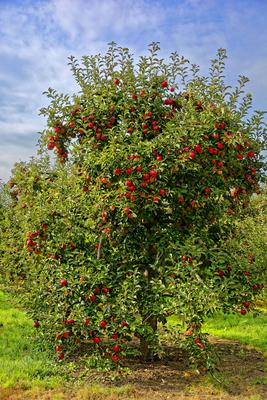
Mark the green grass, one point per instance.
(250, 329)
(21, 365)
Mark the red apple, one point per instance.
(115, 336)
(61, 356)
(251, 154)
(192, 155)
(103, 324)
(118, 171)
(92, 298)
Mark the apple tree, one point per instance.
(155, 163)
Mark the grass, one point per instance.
(21, 364)
(25, 372)
(250, 329)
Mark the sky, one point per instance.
(38, 36)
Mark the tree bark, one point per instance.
(146, 353)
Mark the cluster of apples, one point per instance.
(57, 143)
(97, 333)
(31, 244)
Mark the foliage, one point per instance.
(155, 163)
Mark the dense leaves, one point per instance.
(155, 164)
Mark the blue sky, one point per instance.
(36, 37)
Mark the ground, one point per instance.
(240, 376)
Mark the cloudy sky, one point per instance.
(37, 36)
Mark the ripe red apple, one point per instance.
(106, 290)
(58, 348)
(51, 145)
(192, 155)
(198, 148)
(246, 304)
(199, 343)
(243, 311)
(92, 298)
(36, 324)
(255, 287)
(115, 336)
(164, 84)
(58, 336)
(61, 356)
(115, 358)
(207, 190)
(251, 154)
(162, 192)
(116, 348)
(96, 340)
(118, 171)
(70, 322)
(103, 324)
(116, 81)
(181, 199)
(63, 282)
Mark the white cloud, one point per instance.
(38, 36)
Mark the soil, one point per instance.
(240, 375)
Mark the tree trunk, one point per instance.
(146, 353)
